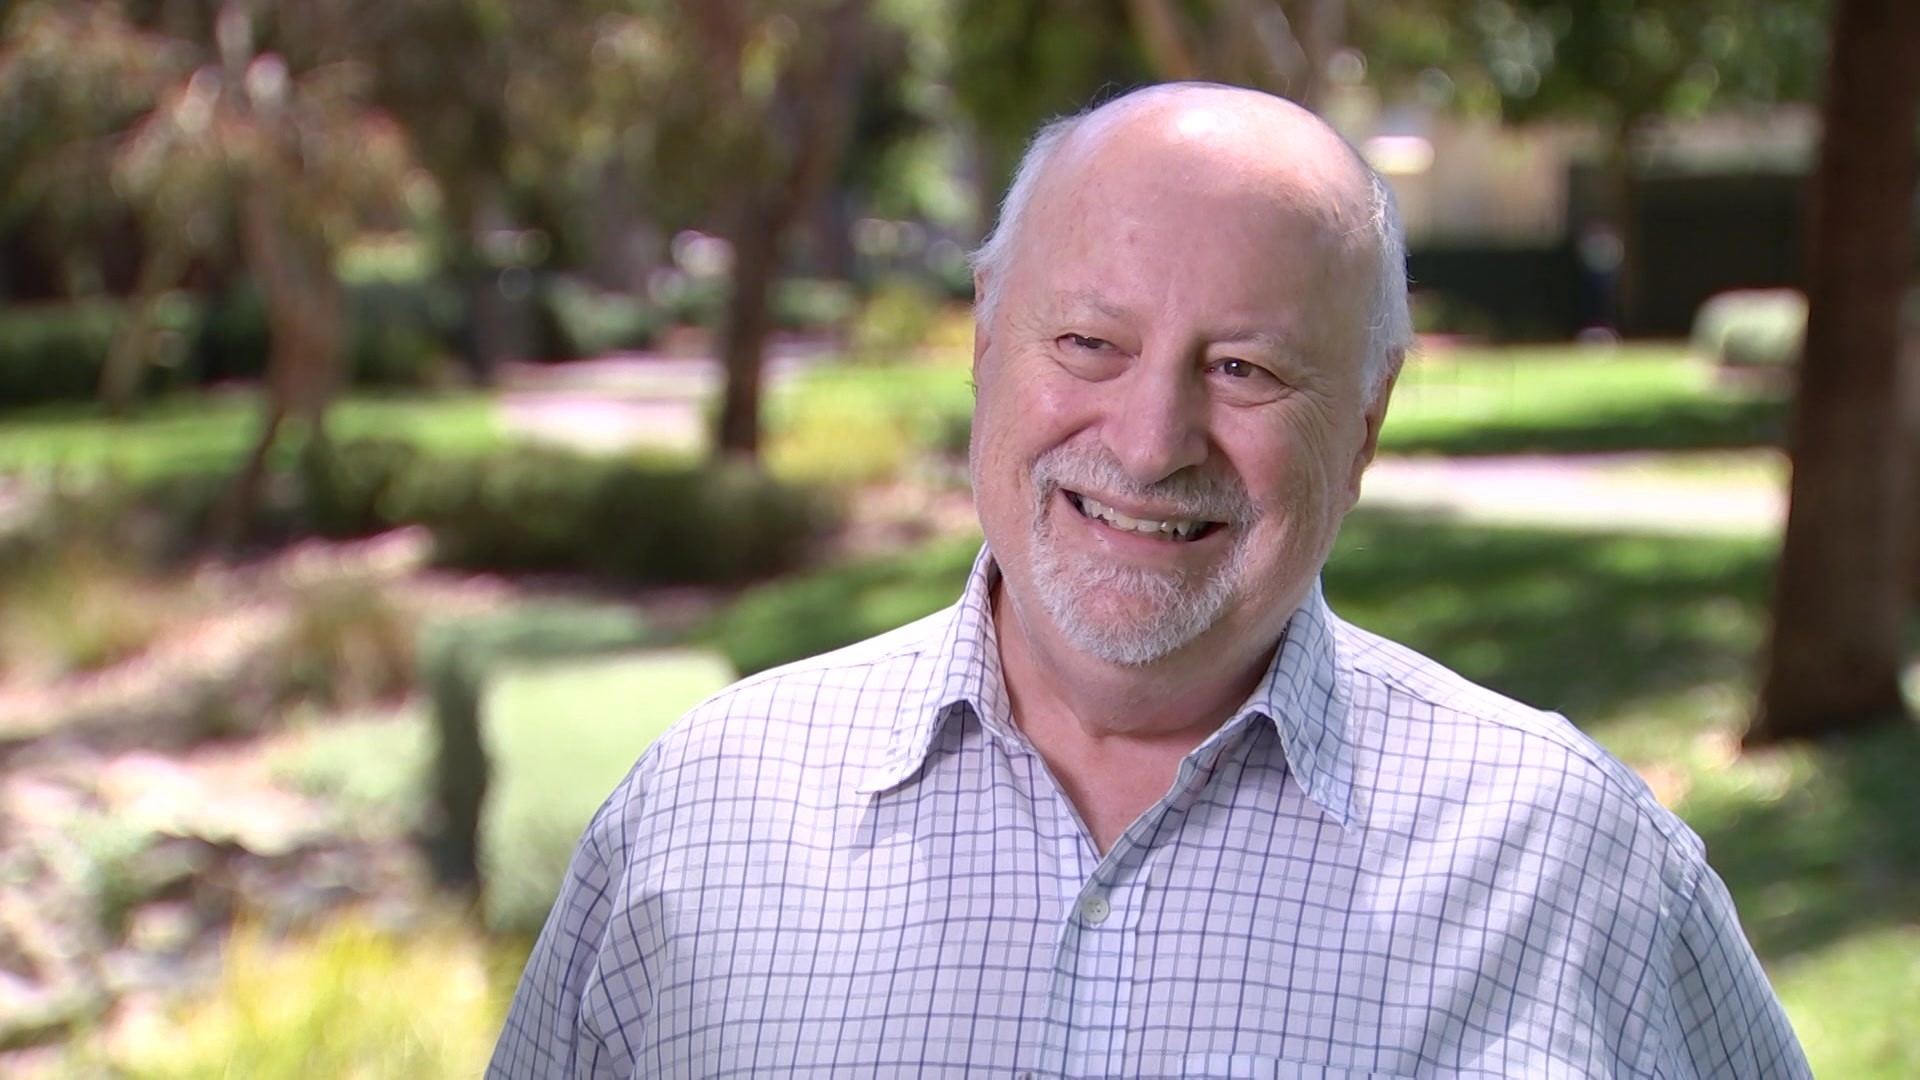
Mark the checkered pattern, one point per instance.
(856, 866)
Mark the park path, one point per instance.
(642, 400)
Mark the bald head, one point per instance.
(1201, 133)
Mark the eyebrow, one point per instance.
(1279, 343)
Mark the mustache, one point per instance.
(1094, 471)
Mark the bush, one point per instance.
(812, 303)
(539, 509)
(625, 520)
(56, 352)
(895, 321)
(591, 322)
(347, 645)
(1751, 328)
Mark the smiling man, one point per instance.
(1139, 804)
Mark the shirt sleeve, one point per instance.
(1727, 1021)
(544, 1036)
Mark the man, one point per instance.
(1139, 804)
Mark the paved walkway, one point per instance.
(641, 400)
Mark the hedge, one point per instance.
(533, 509)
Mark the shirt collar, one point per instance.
(1306, 694)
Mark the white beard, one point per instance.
(1122, 614)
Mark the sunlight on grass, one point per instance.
(562, 737)
(1571, 400)
(1854, 1005)
(212, 432)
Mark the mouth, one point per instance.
(1177, 530)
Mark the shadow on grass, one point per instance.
(1823, 849)
(1674, 425)
(1581, 623)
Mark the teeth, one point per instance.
(1179, 530)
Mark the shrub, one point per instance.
(74, 593)
(542, 509)
(399, 331)
(591, 322)
(351, 487)
(350, 997)
(56, 352)
(1751, 328)
(894, 322)
(812, 303)
(346, 645)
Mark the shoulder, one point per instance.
(1433, 734)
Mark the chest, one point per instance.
(974, 928)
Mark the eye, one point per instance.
(1237, 368)
(1082, 341)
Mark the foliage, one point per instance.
(56, 352)
(1751, 328)
(592, 322)
(351, 997)
(855, 423)
(802, 616)
(1613, 61)
(347, 645)
(549, 510)
(76, 590)
(1021, 63)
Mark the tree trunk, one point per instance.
(1838, 641)
(756, 252)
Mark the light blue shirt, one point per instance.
(857, 866)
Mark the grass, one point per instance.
(561, 735)
(211, 433)
(1567, 401)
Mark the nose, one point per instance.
(1159, 422)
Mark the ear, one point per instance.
(1375, 415)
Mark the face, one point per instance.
(1172, 414)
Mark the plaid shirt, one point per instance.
(856, 866)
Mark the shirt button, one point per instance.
(1095, 909)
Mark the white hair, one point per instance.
(1389, 326)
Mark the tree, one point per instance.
(737, 112)
(230, 146)
(1618, 65)
(1834, 658)
(1281, 46)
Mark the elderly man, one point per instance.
(1139, 804)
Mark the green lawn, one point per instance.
(561, 735)
(1568, 400)
(211, 433)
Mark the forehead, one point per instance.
(1192, 215)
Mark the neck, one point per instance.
(1176, 701)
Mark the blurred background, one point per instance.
(408, 408)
